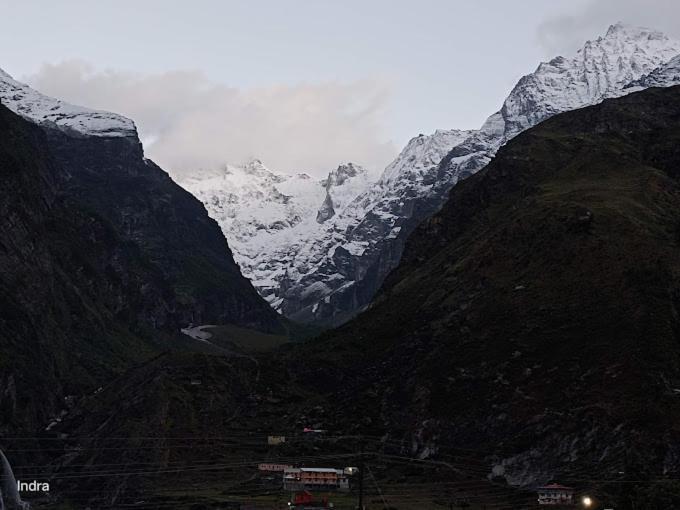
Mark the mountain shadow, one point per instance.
(103, 258)
(535, 318)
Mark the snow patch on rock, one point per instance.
(320, 253)
(268, 216)
(42, 109)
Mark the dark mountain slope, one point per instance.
(535, 318)
(166, 224)
(57, 333)
(102, 259)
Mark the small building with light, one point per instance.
(555, 494)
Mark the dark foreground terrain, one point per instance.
(530, 333)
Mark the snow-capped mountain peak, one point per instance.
(326, 264)
(421, 153)
(342, 186)
(72, 119)
(268, 216)
(599, 70)
(626, 31)
(256, 168)
(361, 245)
(341, 174)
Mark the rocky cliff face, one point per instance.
(269, 217)
(326, 275)
(50, 112)
(169, 227)
(59, 296)
(100, 165)
(533, 320)
(665, 75)
(600, 69)
(342, 186)
(529, 333)
(347, 264)
(103, 258)
(339, 270)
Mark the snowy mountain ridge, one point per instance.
(268, 216)
(42, 109)
(319, 250)
(663, 76)
(342, 185)
(361, 246)
(326, 273)
(601, 69)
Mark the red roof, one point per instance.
(303, 497)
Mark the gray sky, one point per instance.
(301, 84)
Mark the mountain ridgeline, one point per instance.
(102, 260)
(535, 318)
(531, 326)
(167, 227)
(327, 272)
(512, 291)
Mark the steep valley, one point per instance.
(505, 304)
(529, 334)
(325, 273)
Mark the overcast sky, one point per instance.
(301, 84)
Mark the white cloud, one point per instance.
(188, 122)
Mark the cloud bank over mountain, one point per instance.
(186, 121)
